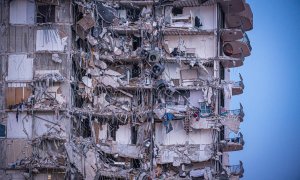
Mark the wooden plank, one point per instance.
(27, 93)
(12, 39)
(19, 95)
(16, 95)
(19, 31)
(10, 96)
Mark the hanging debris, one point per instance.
(121, 89)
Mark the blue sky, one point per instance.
(271, 98)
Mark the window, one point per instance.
(50, 40)
(222, 99)
(134, 133)
(45, 13)
(136, 42)
(204, 108)
(222, 133)
(112, 131)
(222, 72)
(177, 10)
(2, 131)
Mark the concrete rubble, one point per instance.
(121, 89)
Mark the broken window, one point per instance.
(134, 135)
(222, 99)
(222, 133)
(135, 163)
(222, 72)
(205, 109)
(136, 42)
(2, 131)
(50, 40)
(112, 131)
(21, 12)
(45, 13)
(136, 71)
(86, 129)
(81, 126)
(177, 10)
(133, 14)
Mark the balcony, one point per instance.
(238, 113)
(243, 19)
(238, 87)
(229, 62)
(235, 170)
(203, 118)
(232, 6)
(233, 144)
(238, 48)
(231, 34)
(232, 119)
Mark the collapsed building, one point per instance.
(121, 89)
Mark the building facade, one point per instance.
(122, 89)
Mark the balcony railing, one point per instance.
(236, 113)
(237, 140)
(247, 41)
(243, 19)
(205, 110)
(237, 48)
(236, 170)
(232, 6)
(238, 84)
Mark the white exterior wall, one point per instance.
(178, 135)
(206, 15)
(20, 67)
(227, 78)
(46, 123)
(172, 71)
(195, 98)
(49, 40)
(205, 44)
(103, 132)
(43, 123)
(15, 129)
(123, 135)
(22, 12)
